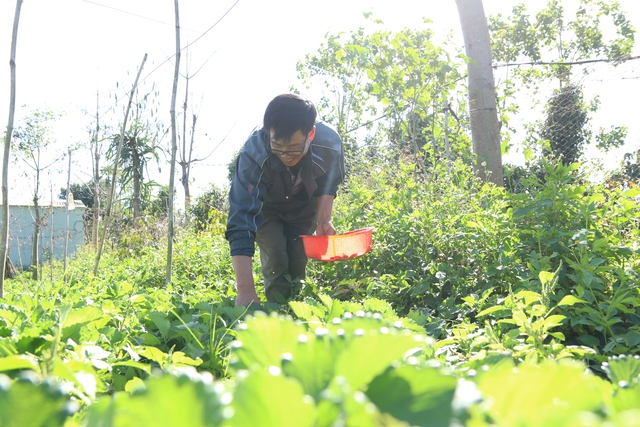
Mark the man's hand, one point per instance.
(246, 298)
(325, 228)
(246, 289)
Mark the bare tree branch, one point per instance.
(585, 61)
(115, 168)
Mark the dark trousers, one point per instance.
(281, 250)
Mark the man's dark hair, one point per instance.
(288, 113)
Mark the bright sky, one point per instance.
(246, 51)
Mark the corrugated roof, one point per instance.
(77, 204)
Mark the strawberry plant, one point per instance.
(467, 289)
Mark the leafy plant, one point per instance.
(28, 402)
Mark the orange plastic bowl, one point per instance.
(340, 246)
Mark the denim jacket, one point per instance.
(261, 178)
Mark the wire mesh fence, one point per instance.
(592, 120)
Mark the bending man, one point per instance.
(286, 178)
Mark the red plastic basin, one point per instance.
(340, 246)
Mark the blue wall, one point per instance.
(21, 228)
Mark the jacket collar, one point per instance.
(306, 170)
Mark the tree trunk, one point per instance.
(66, 221)
(9, 268)
(96, 179)
(186, 171)
(174, 147)
(137, 172)
(485, 132)
(185, 163)
(4, 244)
(187, 192)
(51, 232)
(35, 261)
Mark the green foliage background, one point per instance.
(465, 282)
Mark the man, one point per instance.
(286, 178)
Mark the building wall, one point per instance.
(21, 229)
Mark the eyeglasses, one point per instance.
(290, 153)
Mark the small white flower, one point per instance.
(579, 234)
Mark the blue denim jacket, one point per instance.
(261, 178)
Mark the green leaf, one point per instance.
(625, 399)
(17, 361)
(596, 262)
(623, 370)
(589, 341)
(334, 308)
(414, 395)
(79, 318)
(261, 341)
(304, 311)
(633, 338)
(545, 277)
(491, 310)
(270, 400)
(624, 250)
(152, 353)
(599, 243)
(569, 300)
(26, 402)
(134, 384)
(150, 339)
(529, 296)
(372, 353)
(12, 317)
(632, 193)
(181, 399)
(549, 394)
(553, 321)
(340, 402)
(523, 212)
(162, 323)
(138, 365)
(178, 358)
(312, 363)
(376, 305)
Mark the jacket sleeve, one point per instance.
(245, 202)
(332, 154)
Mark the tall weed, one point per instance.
(590, 233)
